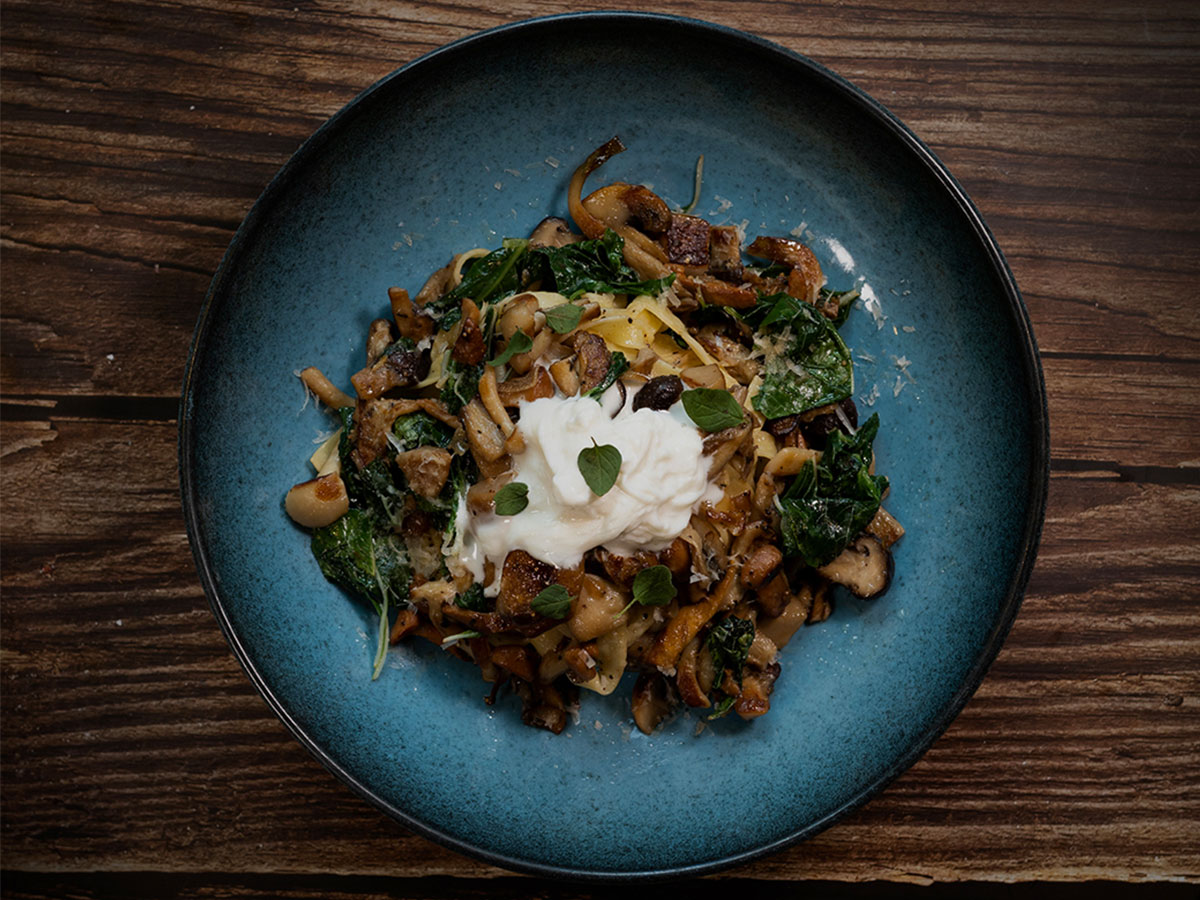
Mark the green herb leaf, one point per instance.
(812, 369)
(653, 586)
(520, 342)
(419, 429)
(722, 708)
(512, 498)
(462, 385)
(371, 488)
(618, 365)
(564, 317)
(472, 598)
(489, 278)
(729, 645)
(827, 505)
(592, 265)
(712, 409)
(599, 465)
(554, 602)
(359, 552)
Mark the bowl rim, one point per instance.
(1037, 486)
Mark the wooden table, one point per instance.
(137, 759)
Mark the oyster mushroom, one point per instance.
(553, 232)
(864, 567)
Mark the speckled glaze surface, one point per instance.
(476, 142)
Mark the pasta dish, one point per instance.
(626, 442)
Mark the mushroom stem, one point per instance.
(589, 224)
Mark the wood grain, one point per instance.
(138, 133)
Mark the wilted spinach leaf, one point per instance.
(595, 265)
(365, 558)
(618, 365)
(729, 645)
(373, 487)
(827, 505)
(461, 386)
(486, 279)
(419, 429)
(360, 553)
(444, 507)
(472, 598)
(812, 369)
(722, 708)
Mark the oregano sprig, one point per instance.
(599, 465)
(554, 602)
(564, 317)
(652, 586)
(512, 498)
(520, 342)
(712, 409)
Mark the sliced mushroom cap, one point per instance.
(410, 321)
(553, 232)
(648, 208)
(425, 469)
(763, 562)
(650, 701)
(806, 278)
(522, 579)
(864, 567)
(755, 697)
(597, 610)
(687, 677)
(660, 393)
(725, 253)
(379, 338)
(592, 360)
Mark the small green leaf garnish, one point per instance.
(554, 602)
(520, 342)
(472, 598)
(563, 318)
(712, 409)
(599, 465)
(512, 498)
(653, 586)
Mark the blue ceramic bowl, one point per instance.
(475, 142)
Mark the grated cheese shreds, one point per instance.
(325, 458)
